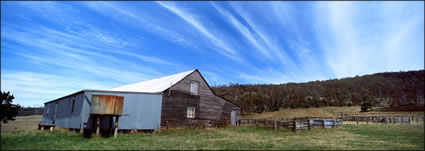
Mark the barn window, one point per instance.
(73, 104)
(190, 112)
(194, 88)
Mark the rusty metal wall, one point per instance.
(106, 104)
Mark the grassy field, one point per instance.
(22, 123)
(322, 112)
(22, 135)
(349, 136)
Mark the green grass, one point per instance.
(349, 136)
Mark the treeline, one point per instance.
(25, 111)
(380, 89)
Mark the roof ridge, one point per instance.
(168, 75)
(148, 85)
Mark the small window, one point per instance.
(194, 88)
(190, 112)
(73, 104)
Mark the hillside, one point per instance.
(381, 89)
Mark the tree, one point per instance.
(7, 110)
(365, 107)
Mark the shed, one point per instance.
(178, 100)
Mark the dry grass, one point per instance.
(349, 136)
(322, 112)
(22, 123)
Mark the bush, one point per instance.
(365, 107)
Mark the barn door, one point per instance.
(233, 118)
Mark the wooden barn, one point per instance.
(179, 100)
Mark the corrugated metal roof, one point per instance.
(154, 85)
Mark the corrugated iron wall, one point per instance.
(141, 110)
(65, 117)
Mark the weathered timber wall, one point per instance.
(209, 108)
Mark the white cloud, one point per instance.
(362, 38)
(270, 42)
(244, 31)
(192, 20)
(33, 88)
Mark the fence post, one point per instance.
(367, 121)
(308, 123)
(409, 120)
(275, 124)
(323, 123)
(357, 119)
(294, 127)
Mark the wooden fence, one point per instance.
(295, 123)
(382, 119)
(301, 123)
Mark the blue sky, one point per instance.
(51, 49)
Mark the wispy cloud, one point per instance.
(271, 43)
(32, 88)
(223, 47)
(356, 45)
(63, 47)
(244, 30)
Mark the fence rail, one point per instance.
(300, 123)
(295, 123)
(388, 118)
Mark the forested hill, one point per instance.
(380, 89)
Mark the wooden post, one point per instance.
(409, 120)
(357, 119)
(294, 126)
(275, 124)
(390, 119)
(323, 124)
(116, 127)
(97, 126)
(417, 121)
(81, 128)
(308, 123)
(333, 124)
(111, 118)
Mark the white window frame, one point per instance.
(190, 112)
(192, 91)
